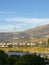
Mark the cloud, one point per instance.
(10, 28)
(29, 20)
(22, 23)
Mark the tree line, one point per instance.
(28, 59)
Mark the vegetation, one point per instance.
(29, 49)
(28, 59)
(48, 42)
(3, 57)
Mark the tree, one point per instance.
(3, 57)
(10, 46)
(30, 59)
(12, 60)
(48, 41)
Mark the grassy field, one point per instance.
(34, 49)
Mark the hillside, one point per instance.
(39, 32)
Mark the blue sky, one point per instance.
(24, 14)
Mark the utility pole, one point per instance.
(14, 34)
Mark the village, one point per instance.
(22, 44)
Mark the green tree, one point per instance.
(30, 59)
(3, 57)
(12, 60)
(48, 41)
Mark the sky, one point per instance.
(23, 14)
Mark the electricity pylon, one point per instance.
(14, 33)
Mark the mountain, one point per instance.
(34, 33)
(39, 32)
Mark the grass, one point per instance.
(34, 49)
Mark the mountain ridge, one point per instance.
(37, 32)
